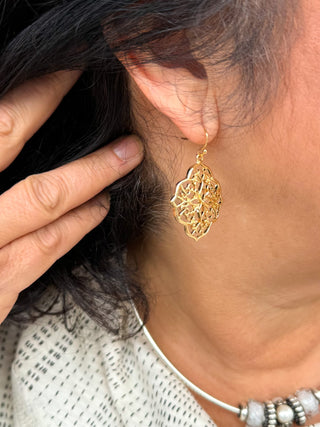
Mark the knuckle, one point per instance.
(48, 239)
(6, 121)
(47, 193)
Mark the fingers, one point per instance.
(24, 110)
(43, 247)
(41, 199)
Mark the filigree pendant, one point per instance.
(197, 200)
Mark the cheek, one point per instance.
(291, 134)
(277, 165)
(302, 105)
(295, 124)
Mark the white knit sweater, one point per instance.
(50, 377)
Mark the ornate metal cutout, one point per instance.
(197, 200)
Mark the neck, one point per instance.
(243, 303)
(245, 311)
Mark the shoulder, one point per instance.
(87, 376)
(54, 370)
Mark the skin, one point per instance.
(243, 303)
(246, 309)
(57, 215)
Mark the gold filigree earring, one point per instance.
(197, 200)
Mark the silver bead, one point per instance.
(243, 412)
(256, 415)
(316, 394)
(285, 414)
(302, 420)
(271, 414)
(309, 402)
(299, 413)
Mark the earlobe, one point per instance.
(188, 101)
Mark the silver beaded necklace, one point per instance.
(274, 413)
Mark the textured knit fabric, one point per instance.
(51, 377)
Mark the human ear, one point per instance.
(187, 100)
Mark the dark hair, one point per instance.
(40, 37)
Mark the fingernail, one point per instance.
(128, 148)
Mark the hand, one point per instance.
(45, 215)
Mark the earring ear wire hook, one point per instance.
(203, 150)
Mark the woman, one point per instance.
(234, 308)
